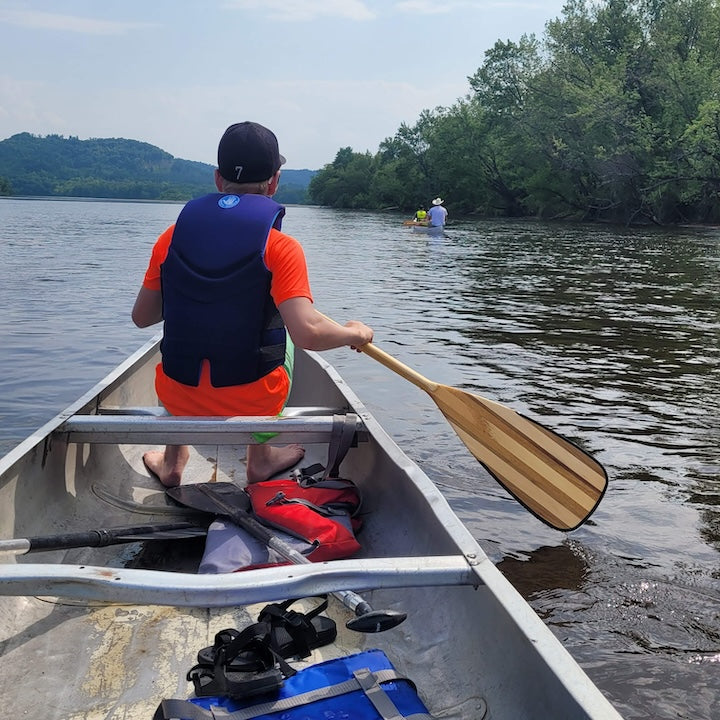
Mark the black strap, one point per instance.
(285, 604)
(182, 710)
(326, 510)
(221, 679)
(343, 432)
(298, 625)
(255, 638)
(341, 439)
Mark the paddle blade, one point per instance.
(221, 498)
(554, 479)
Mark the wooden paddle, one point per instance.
(554, 479)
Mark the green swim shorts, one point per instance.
(289, 366)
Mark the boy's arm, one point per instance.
(311, 330)
(148, 308)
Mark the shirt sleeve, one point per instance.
(151, 281)
(285, 259)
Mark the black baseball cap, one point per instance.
(248, 152)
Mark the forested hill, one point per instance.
(113, 168)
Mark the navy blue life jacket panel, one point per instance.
(216, 292)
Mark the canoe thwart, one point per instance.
(149, 429)
(153, 587)
(159, 411)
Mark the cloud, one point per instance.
(187, 123)
(425, 7)
(304, 10)
(66, 23)
(21, 107)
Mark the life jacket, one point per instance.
(316, 505)
(321, 512)
(315, 511)
(216, 292)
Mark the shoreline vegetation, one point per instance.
(611, 116)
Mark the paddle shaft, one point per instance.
(395, 365)
(230, 501)
(100, 537)
(400, 368)
(411, 375)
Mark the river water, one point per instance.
(610, 336)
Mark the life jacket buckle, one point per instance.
(278, 499)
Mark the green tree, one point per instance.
(613, 115)
(113, 168)
(344, 183)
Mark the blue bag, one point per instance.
(364, 686)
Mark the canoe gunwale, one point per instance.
(91, 399)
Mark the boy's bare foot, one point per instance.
(167, 466)
(264, 461)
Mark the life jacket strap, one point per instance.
(327, 510)
(342, 437)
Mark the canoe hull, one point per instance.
(111, 631)
(422, 227)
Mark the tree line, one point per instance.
(612, 115)
(98, 167)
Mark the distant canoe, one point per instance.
(424, 226)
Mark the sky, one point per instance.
(322, 74)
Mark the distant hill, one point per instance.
(113, 168)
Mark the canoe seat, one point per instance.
(152, 426)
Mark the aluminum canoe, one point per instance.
(105, 633)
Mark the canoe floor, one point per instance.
(72, 660)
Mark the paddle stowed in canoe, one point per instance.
(229, 500)
(102, 537)
(553, 478)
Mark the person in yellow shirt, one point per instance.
(421, 215)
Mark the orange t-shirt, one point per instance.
(285, 259)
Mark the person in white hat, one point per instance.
(437, 214)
